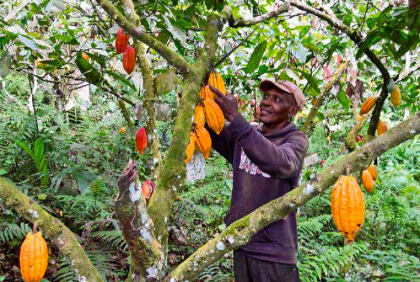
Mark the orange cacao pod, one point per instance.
(214, 115)
(396, 96)
(141, 140)
(33, 257)
(121, 42)
(373, 172)
(367, 105)
(367, 181)
(191, 147)
(203, 143)
(199, 116)
(381, 128)
(206, 93)
(216, 80)
(129, 59)
(347, 206)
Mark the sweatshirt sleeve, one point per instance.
(280, 161)
(224, 143)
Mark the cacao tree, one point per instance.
(172, 47)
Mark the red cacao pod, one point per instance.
(141, 140)
(129, 59)
(147, 189)
(121, 42)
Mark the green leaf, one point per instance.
(28, 42)
(39, 148)
(122, 79)
(256, 57)
(344, 101)
(3, 171)
(312, 80)
(28, 150)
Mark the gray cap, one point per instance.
(285, 86)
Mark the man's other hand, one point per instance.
(227, 103)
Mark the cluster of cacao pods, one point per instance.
(369, 176)
(129, 53)
(141, 140)
(206, 111)
(348, 202)
(33, 257)
(369, 104)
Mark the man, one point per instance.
(267, 162)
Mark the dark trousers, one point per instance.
(248, 269)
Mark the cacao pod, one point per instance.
(216, 80)
(33, 257)
(122, 130)
(396, 96)
(199, 116)
(313, 101)
(381, 128)
(347, 206)
(129, 59)
(214, 115)
(367, 105)
(141, 140)
(206, 93)
(147, 189)
(203, 143)
(373, 172)
(191, 147)
(121, 42)
(367, 181)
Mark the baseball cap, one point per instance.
(285, 86)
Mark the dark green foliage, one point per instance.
(11, 233)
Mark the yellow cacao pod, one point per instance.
(216, 80)
(367, 181)
(33, 257)
(368, 105)
(203, 142)
(381, 128)
(214, 115)
(199, 116)
(396, 96)
(347, 206)
(372, 170)
(205, 93)
(191, 147)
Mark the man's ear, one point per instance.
(293, 111)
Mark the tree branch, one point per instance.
(54, 229)
(172, 57)
(241, 231)
(321, 97)
(160, 206)
(137, 227)
(278, 9)
(403, 75)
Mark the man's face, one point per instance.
(276, 106)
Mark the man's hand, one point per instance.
(227, 103)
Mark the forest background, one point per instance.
(67, 133)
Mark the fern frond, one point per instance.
(11, 231)
(113, 237)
